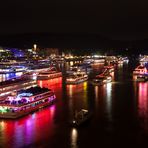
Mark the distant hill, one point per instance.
(57, 40)
(70, 40)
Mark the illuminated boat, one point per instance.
(120, 61)
(73, 69)
(88, 60)
(6, 69)
(97, 61)
(79, 68)
(109, 68)
(37, 68)
(140, 70)
(58, 59)
(12, 69)
(49, 74)
(26, 101)
(76, 78)
(19, 68)
(85, 67)
(5, 90)
(13, 81)
(81, 117)
(144, 58)
(101, 79)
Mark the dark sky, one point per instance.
(119, 19)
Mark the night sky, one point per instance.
(118, 19)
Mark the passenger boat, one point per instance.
(85, 67)
(26, 101)
(98, 61)
(58, 59)
(11, 69)
(49, 74)
(141, 69)
(76, 78)
(6, 69)
(120, 60)
(73, 69)
(88, 60)
(19, 68)
(81, 117)
(80, 68)
(13, 81)
(144, 58)
(9, 62)
(6, 90)
(109, 68)
(37, 68)
(101, 79)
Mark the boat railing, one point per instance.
(22, 103)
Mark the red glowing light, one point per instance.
(28, 129)
(143, 103)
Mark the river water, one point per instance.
(120, 116)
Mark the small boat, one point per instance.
(49, 74)
(83, 67)
(141, 69)
(81, 117)
(37, 68)
(97, 60)
(101, 79)
(109, 68)
(77, 78)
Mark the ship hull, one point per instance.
(14, 115)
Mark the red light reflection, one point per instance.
(73, 89)
(29, 129)
(51, 83)
(54, 84)
(143, 103)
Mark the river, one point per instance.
(120, 116)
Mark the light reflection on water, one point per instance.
(74, 137)
(77, 95)
(143, 103)
(27, 130)
(109, 100)
(49, 126)
(71, 90)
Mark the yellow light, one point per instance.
(74, 137)
(85, 86)
(35, 46)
